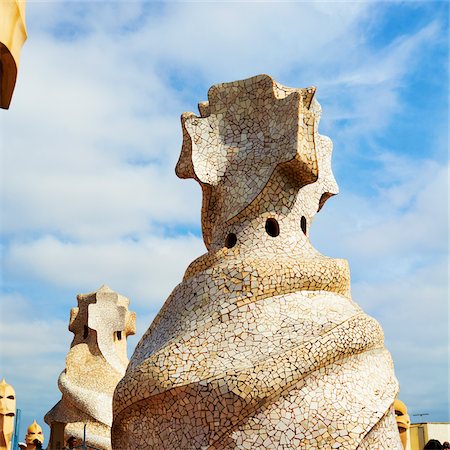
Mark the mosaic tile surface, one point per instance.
(94, 365)
(261, 345)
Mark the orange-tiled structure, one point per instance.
(261, 345)
(7, 414)
(95, 363)
(12, 37)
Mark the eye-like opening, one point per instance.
(303, 225)
(272, 227)
(11, 397)
(119, 335)
(230, 240)
(323, 198)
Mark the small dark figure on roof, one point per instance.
(433, 444)
(38, 444)
(71, 442)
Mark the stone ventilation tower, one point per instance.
(95, 363)
(34, 434)
(13, 34)
(7, 414)
(403, 421)
(261, 345)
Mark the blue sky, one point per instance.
(88, 190)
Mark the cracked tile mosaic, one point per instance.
(261, 345)
(95, 363)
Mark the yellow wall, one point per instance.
(421, 433)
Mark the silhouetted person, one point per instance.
(71, 442)
(433, 444)
(38, 444)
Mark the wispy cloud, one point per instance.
(145, 270)
(403, 225)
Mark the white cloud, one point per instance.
(232, 40)
(403, 225)
(364, 94)
(146, 271)
(95, 104)
(98, 205)
(413, 310)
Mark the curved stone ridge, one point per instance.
(94, 365)
(261, 345)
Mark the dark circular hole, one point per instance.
(303, 224)
(230, 240)
(272, 227)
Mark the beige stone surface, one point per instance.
(94, 365)
(12, 37)
(7, 414)
(34, 433)
(421, 433)
(403, 421)
(261, 345)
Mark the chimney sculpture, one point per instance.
(12, 37)
(403, 421)
(34, 436)
(95, 363)
(261, 345)
(7, 414)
